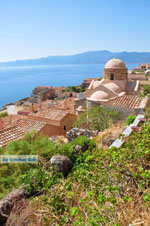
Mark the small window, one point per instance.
(64, 127)
(112, 77)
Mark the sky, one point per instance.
(40, 28)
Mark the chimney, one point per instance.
(1, 124)
(33, 109)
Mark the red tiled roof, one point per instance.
(67, 105)
(16, 129)
(51, 114)
(126, 101)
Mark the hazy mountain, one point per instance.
(91, 57)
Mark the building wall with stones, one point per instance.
(50, 130)
(41, 94)
(67, 123)
(49, 94)
(115, 74)
(54, 127)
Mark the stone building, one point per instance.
(42, 93)
(115, 91)
(144, 66)
(58, 122)
(48, 122)
(115, 70)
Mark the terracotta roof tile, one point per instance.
(51, 114)
(126, 101)
(16, 129)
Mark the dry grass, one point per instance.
(133, 213)
(114, 130)
(33, 212)
(24, 213)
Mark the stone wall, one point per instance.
(41, 94)
(49, 94)
(119, 74)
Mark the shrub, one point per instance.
(38, 180)
(76, 89)
(3, 114)
(130, 119)
(146, 90)
(97, 118)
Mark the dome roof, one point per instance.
(99, 95)
(114, 87)
(115, 63)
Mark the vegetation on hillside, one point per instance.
(76, 89)
(97, 118)
(146, 90)
(13, 175)
(130, 119)
(3, 114)
(105, 187)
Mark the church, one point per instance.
(115, 91)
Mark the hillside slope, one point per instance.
(91, 57)
(105, 187)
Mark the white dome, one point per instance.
(114, 87)
(99, 95)
(115, 64)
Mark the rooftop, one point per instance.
(65, 105)
(16, 129)
(51, 114)
(126, 101)
(115, 64)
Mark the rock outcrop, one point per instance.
(75, 132)
(61, 164)
(7, 203)
(109, 139)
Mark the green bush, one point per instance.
(13, 175)
(3, 114)
(130, 119)
(76, 89)
(38, 180)
(97, 118)
(146, 90)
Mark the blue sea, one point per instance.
(17, 82)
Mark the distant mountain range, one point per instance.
(91, 57)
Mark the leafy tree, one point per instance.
(97, 118)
